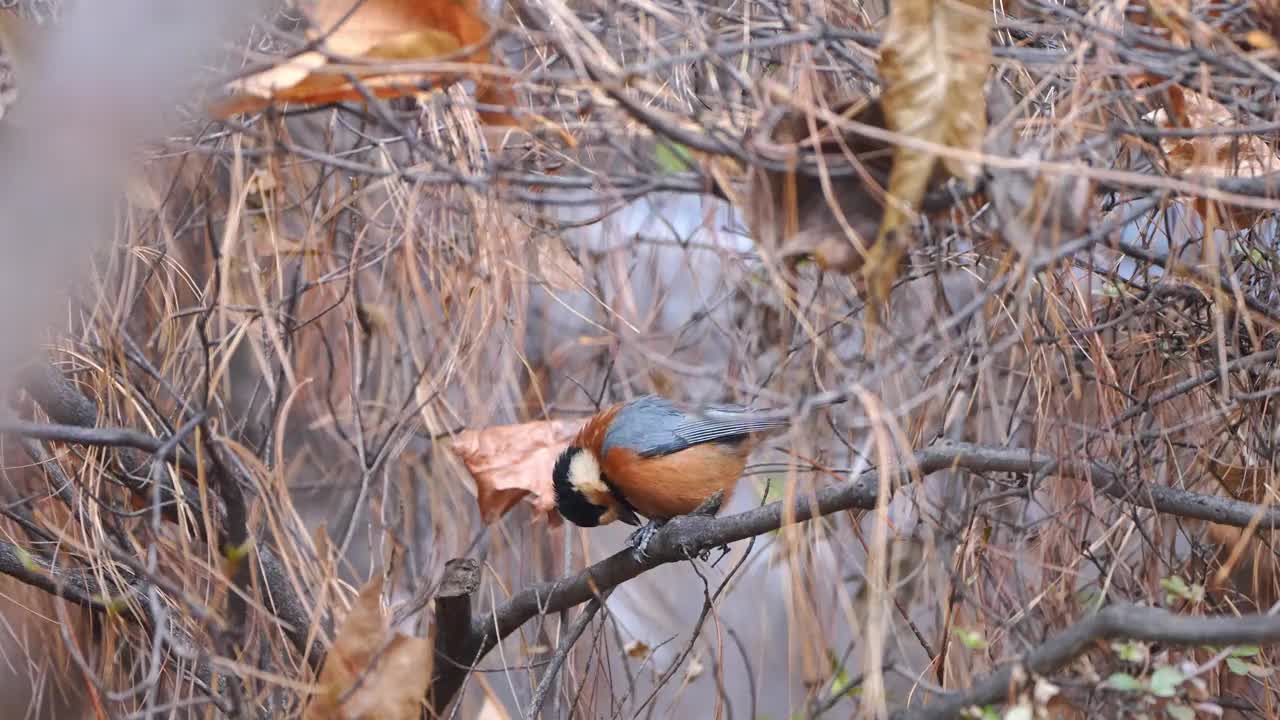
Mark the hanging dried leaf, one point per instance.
(933, 62)
(377, 33)
(511, 462)
(371, 671)
(1218, 155)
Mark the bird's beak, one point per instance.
(627, 516)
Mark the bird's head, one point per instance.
(582, 492)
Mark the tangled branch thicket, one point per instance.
(1063, 432)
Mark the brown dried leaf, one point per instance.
(934, 59)
(637, 650)
(371, 671)
(511, 462)
(378, 30)
(793, 212)
(1219, 155)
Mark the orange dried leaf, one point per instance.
(372, 671)
(511, 462)
(378, 30)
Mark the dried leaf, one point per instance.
(1218, 155)
(793, 211)
(637, 650)
(510, 462)
(378, 30)
(933, 61)
(372, 671)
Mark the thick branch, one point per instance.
(453, 627)
(59, 398)
(689, 535)
(98, 437)
(1115, 622)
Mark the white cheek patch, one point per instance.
(584, 474)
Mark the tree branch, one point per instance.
(63, 402)
(1129, 622)
(689, 535)
(453, 628)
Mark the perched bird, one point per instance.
(650, 457)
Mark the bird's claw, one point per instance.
(641, 538)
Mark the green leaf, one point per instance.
(1180, 712)
(1133, 652)
(28, 563)
(1165, 681)
(673, 157)
(1259, 671)
(1240, 667)
(1245, 651)
(1124, 681)
(840, 682)
(1176, 587)
(970, 639)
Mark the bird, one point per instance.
(655, 458)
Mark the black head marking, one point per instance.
(572, 504)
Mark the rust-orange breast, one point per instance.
(669, 485)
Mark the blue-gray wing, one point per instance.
(653, 426)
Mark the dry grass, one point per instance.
(339, 298)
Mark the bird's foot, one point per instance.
(641, 538)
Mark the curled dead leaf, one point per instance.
(511, 462)
(637, 650)
(374, 35)
(372, 671)
(1219, 155)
